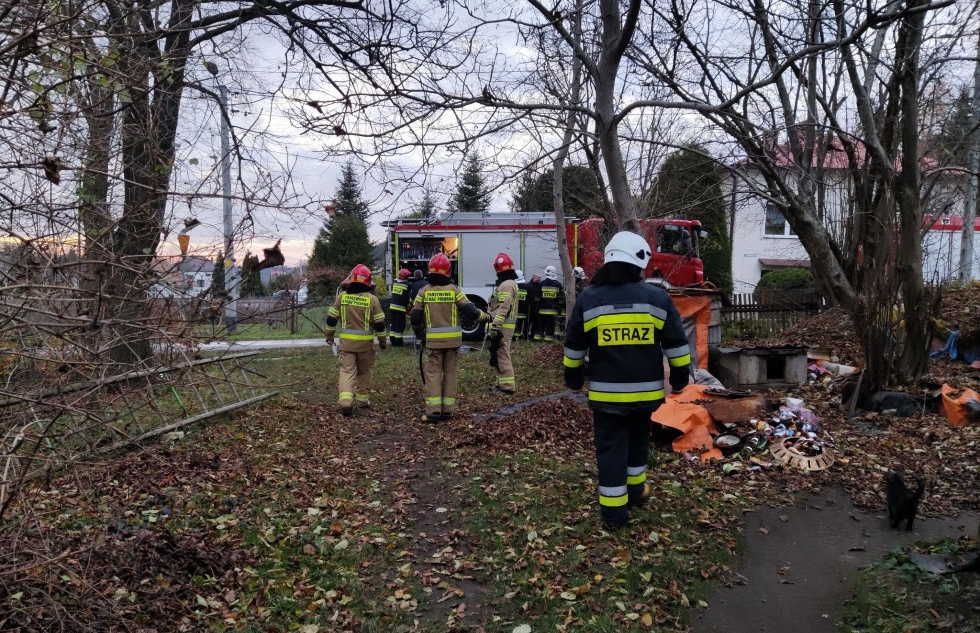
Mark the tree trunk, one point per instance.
(557, 191)
(615, 38)
(151, 109)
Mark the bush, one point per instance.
(786, 279)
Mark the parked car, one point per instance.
(284, 294)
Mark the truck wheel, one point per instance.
(474, 330)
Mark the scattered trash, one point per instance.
(949, 349)
(939, 564)
(805, 453)
(961, 406)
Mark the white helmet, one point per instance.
(630, 248)
(520, 275)
(579, 272)
(550, 272)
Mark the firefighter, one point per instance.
(549, 299)
(400, 291)
(435, 318)
(626, 327)
(534, 291)
(580, 281)
(358, 312)
(524, 297)
(503, 310)
(418, 280)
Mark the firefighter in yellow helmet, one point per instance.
(503, 310)
(435, 317)
(358, 313)
(625, 326)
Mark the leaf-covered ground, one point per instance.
(288, 516)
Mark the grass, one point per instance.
(894, 595)
(287, 516)
(308, 323)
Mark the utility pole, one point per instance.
(973, 184)
(231, 280)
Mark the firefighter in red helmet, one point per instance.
(503, 310)
(400, 291)
(435, 318)
(358, 313)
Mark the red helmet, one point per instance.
(503, 262)
(439, 264)
(361, 274)
(404, 273)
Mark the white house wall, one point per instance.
(941, 256)
(750, 243)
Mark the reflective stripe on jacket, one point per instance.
(550, 297)
(400, 291)
(503, 304)
(625, 330)
(440, 307)
(359, 318)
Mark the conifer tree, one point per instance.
(218, 277)
(348, 197)
(472, 193)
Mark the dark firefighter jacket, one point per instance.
(400, 294)
(550, 297)
(625, 330)
(524, 299)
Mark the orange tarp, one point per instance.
(956, 405)
(681, 412)
(698, 308)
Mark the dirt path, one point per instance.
(423, 482)
(800, 563)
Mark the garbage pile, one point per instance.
(790, 437)
(733, 427)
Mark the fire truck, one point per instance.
(470, 241)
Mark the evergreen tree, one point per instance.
(472, 193)
(580, 190)
(339, 246)
(426, 207)
(251, 277)
(953, 139)
(218, 277)
(689, 184)
(348, 196)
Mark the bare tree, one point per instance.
(800, 89)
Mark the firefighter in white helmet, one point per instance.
(625, 327)
(551, 296)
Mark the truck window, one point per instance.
(675, 240)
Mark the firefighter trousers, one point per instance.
(505, 366)
(622, 445)
(397, 330)
(546, 327)
(355, 377)
(523, 330)
(441, 376)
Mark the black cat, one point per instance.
(903, 503)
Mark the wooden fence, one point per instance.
(775, 316)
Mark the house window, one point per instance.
(776, 223)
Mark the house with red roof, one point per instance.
(762, 239)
